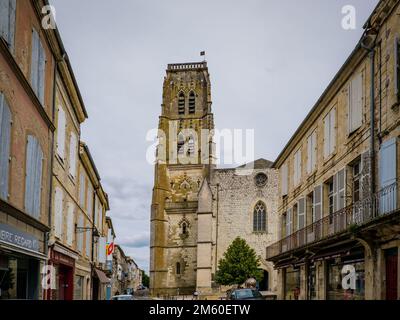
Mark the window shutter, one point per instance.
(35, 61)
(355, 103)
(70, 224)
(311, 152)
(301, 212)
(335, 195)
(90, 200)
(396, 67)
(284, 181)
(4, 16)
(12, 11)
(314, 150)
(341, 189)
(37, 181)
(326, 136)
(5, 143)
(58, 208)
(387, 166)
(72, 155)
(297, 167)
(80, 234)
(82, 190)
(88, 240)
(289, 222)
(61, 133)
(317, 210)
(332, 130)
(41, 72)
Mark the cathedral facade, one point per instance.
(198, 209)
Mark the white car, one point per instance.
(123, 297)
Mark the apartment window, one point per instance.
(73, 149)
(33, 177)
(289, 222)
(259, 217)
(38, 65)
(355, 102)
(181, 103)
(178, 268)
(61, 132)
(329, 133)
(7, 21)
(82, 190)
(192, 103)
(5, 143)
(58, 212)
(284, 177)
(301, 214)
(311, 152)
(70, 223)
(297, 168)
(356, 181)
(80, 234)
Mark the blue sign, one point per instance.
(18, 238)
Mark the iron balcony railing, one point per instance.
(357, 214)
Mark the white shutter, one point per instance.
(90, 200)
(58, 212)
(7, 21)
(332, 131)
(82, 191)
(387, 176)
(355, 102)
(35, 61)
(284, 182)
(88, 239)
(102, 250)
(72, 155)
(80, 234)
(41, 73)
(301, 213)
(5, 143)
(289, 222)
(341, 189)
(326, 135)
(396, 68)
(61, 133)
(311, 152)
(70, 224)
(297, 167)
(317, 205)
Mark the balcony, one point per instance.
(383, 203)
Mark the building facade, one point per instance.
(338, 193)
(197, 210)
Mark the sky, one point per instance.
(269, 62)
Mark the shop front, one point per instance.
(292, 283)
(20, 264)
(346, 278)
(63, 267)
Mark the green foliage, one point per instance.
(239, 263)
(145, 279)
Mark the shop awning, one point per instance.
(4, 246)
(102, 276)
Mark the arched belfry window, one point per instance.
(178, 268)
(184, 228)
(191, 148)
(260, 218)
(192, 102)
(181, 103)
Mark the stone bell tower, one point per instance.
(185, 159)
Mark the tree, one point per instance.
(239, 263)
(145, 279)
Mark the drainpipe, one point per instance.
(371, 50)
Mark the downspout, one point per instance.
(371, 50)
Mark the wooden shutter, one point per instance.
(11, 36)
(332, 130)
(70, 224)
(387, 163)
(341, 189)
(72, 155)
(90, 200)
(301, 213)
(396, 68)
(335, 198)
(82, 190)
(88, 240)
(5, 143)
(326, 135)
(284, 182)
(61, 133)
(311, 152)
(297, 167)
(317, 205)
(35, 61)
(102, 250)
(33, 179)
(355, 102)
(41, 72)
(289, 222)
(7, 21)
(80, 234)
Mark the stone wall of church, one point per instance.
(236, 200)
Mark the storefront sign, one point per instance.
(18, 238)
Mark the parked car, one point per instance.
(245, 294)
(141, 287)
(123, 297)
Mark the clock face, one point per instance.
(261, 180)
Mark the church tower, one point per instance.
(185, 157)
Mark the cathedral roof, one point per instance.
(259, 164)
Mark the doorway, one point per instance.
(391, 256)
(264, 283)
